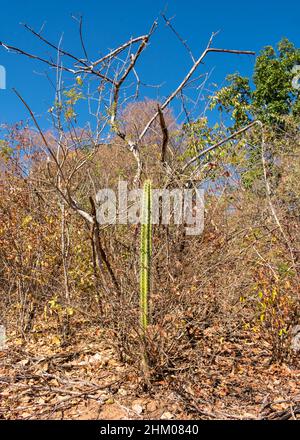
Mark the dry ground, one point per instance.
(41, 379)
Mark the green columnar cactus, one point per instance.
(145, 253)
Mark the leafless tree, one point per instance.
(112, 80)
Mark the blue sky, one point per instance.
(243, 25)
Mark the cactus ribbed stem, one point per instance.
(145, 254)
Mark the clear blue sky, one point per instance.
(248, 25)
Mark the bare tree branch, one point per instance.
(81, 38)
(169, 24)
(165, 134)
(119, 49)
(58, 49)
(35, 57)
(52, 64)
(102, 257)
(188, 76)
(218, 144)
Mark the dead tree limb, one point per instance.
(165, 134)
(101, 255)
(218, 144)
(188, 76)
